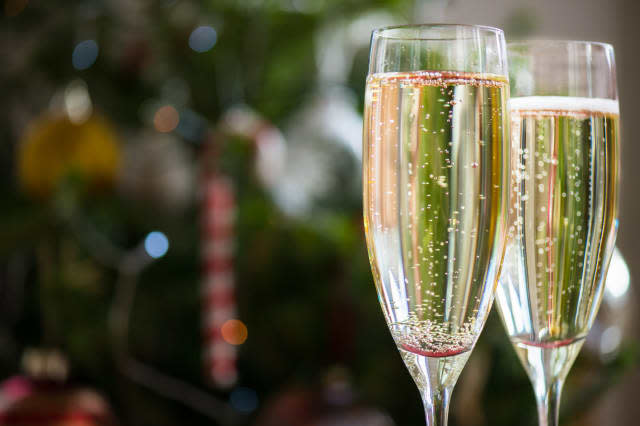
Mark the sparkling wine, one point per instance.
(553, 359)
(435, 165)
(563, 210)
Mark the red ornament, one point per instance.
(46, 403)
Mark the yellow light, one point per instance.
(53, 148)
(234, 332)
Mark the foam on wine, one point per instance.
(564, 103)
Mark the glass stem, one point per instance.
(548, 400)
(436, 405)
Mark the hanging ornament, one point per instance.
(218, 215)
(41, 398)
(50, 404)
(269, 144)
(323, 154)
(157, 171)
(223, 330)
(74, 142)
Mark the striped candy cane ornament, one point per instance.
(219, 293)
(223, 330)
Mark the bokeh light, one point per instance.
(77, 102)
(192, 126)
(166, 119)
(234, 332)
(156, 244)
(84, 54)
(203, 38)
(610, 340)
(618, 278)
(244, 399)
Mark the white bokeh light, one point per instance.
(618, 277)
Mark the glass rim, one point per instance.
(557, 42)
(378, 32)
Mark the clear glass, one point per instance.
(435, 170)
(563, 209)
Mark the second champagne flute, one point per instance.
(435, 166)
(564, 130)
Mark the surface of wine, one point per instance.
(563, 210)
(435, 164)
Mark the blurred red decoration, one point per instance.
(218, 218)
(28, 402)
(223, 330)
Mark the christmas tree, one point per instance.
(182, 220)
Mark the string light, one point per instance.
(234, 332)
(203, 38)
(156, 244)
(84, 54)
(77, 102)
(618, 278)
(166, 119)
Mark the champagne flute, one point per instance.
(435, 170)
(563, 209)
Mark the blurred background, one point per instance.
(181, 238)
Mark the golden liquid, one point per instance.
(435, 166)
(564, 210)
